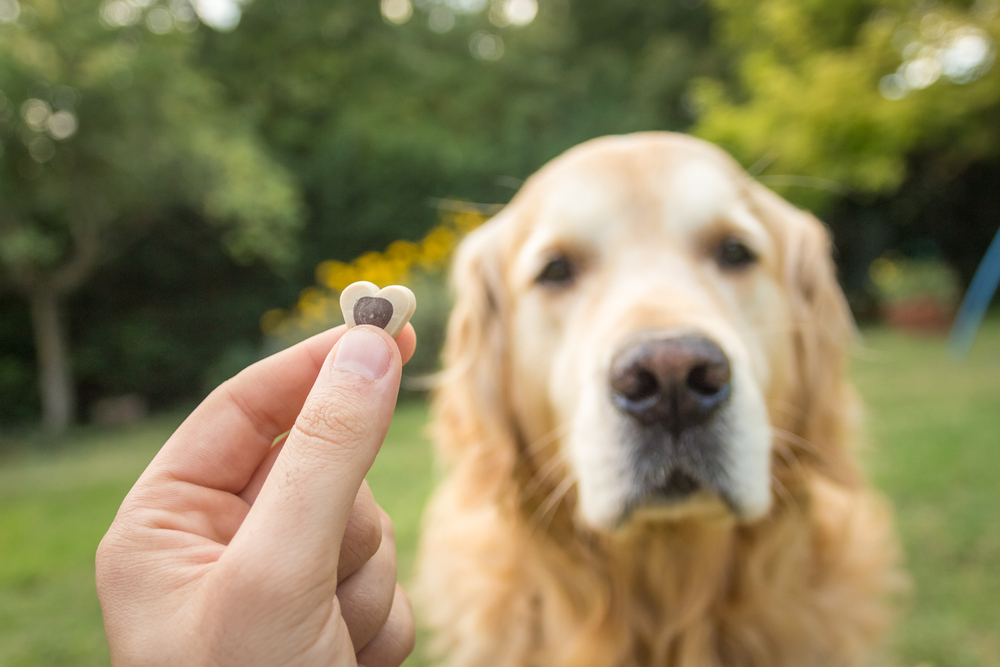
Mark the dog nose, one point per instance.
(675, 382)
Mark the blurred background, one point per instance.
(185, 185)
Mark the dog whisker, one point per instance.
(792, 462)
(551, 502)
(796, 180)
(797, 441)
(549, 467)
(784, 452)
(543, 473)
(784, 449)
(788, 409)
(781, 489)
(544, 441)
(765, 161)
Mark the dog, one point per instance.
(647, 431)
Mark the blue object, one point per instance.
(977, 299)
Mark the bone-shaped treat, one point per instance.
(389, 308)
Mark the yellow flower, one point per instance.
(335, 275)
(466, 221)
(319, 305)
(404, 251)
(436, 247)
(313, 304)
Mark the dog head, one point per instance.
(646, 332)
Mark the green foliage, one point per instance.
(850, 91)
(254, 199)
(18, 383)
(106, 128)
(374, 118)
(898, 279)
(16, 375)
(168, 320)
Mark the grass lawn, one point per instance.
(934, 427)
(934, 431)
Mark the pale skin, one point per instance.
(231, 550)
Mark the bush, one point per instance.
(897, 279)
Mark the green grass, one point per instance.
(934, 431)
(54, 508)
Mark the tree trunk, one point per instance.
(54, 371)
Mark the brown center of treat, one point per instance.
(373, 310)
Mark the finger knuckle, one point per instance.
(407, 639)
(405, 628)
(338, 421)
(370, 532)
(386, 527)
(367, 605)
(363, 536)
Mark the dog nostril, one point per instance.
(639, 385)
(708, 379)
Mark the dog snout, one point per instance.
(676, 382)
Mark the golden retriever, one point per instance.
(647, 429)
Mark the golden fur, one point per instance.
(508, 573)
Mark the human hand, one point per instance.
(231, 551)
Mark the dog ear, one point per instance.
(827, 409)
(471, 417)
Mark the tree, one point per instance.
(106, 128)
(377, 112)
(848, 92)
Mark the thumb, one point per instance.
(301, 513)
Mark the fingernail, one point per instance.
(363, 352)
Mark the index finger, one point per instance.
(226, 438)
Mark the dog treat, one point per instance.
(389, 308)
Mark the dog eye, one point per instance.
(558, 271)
(733, 255)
